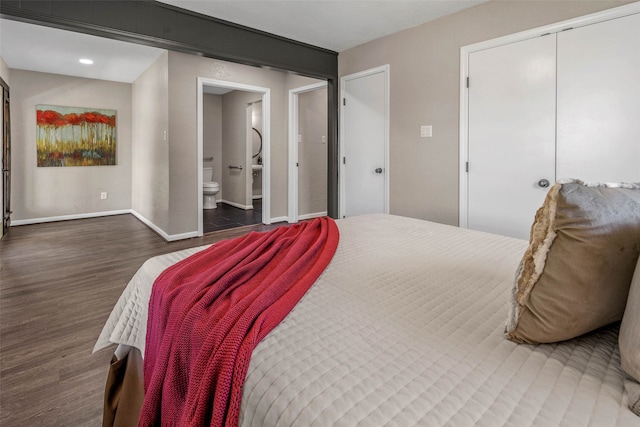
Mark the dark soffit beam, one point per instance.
(165, 26)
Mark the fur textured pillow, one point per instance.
(575, 275)
(629, 340)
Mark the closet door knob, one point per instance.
(543, 183)
(378, 170)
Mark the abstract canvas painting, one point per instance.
(73, 136)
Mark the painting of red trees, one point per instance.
(72, 136)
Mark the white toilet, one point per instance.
(209, 189)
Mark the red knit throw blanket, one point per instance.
(208, 312)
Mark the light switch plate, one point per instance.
(426, 131)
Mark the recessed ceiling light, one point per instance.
(86, 61)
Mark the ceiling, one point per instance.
(54, 51)
(336, 25)
(331, 24)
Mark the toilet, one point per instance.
(209, 189)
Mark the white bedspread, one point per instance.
(405, 327)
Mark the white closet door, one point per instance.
(599, 101)
(511, 134)
(365, 133)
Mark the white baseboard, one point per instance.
(236, 205)
(257, 196)
(279, 219)
(161, 232)
(182, 236)
(312, 215)
(151, 225)
(68, 217)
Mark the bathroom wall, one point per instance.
(256, 122)
(212, 137)
(150, 171)
(312, 152)
(234, 147)
(45, 193)
(425, 90)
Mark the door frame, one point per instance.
(293, 147)
(266, 142)
(5, 157)
(341, 177)
(465, 51)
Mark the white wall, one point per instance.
(40, 193)
(424, 88)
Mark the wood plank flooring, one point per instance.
(58, 283)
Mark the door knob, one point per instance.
(543, 183)
(378, 170)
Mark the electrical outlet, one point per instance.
(426, 131)
(103, 195)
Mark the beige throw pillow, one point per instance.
(629, 340)
(574, 277)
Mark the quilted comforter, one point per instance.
(405, 327)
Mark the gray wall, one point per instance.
(4, 71)
(312, 152)
(234, 146)
(157, 166)
(150, 154)
(42, 192)
(424, 73)
(212, 136)
(183, 73)
(256, 122)
(162, 174)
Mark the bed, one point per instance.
(406, 327)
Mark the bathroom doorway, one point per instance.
(254, 150)
(228, 147)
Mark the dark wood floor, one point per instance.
(58, 283)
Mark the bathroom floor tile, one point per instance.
(225, 217)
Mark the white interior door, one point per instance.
(511, 134)
(599, 101)
(365, 143)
